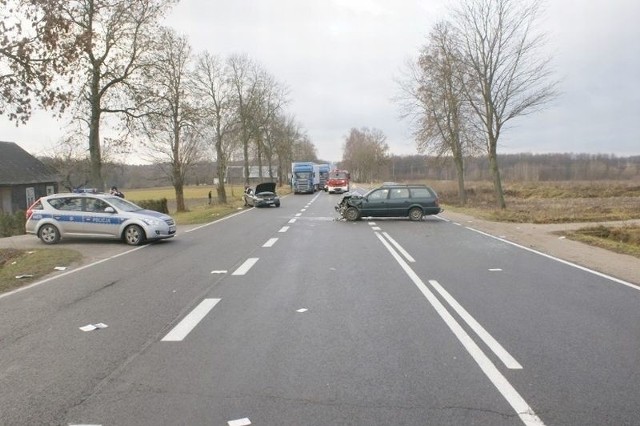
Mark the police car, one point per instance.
(96, 215)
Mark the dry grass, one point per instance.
(31, 265)
(548, 202)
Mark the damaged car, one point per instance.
(264, 195)
(391, 200)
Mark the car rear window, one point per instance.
(421, 193)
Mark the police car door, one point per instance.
(99, 222)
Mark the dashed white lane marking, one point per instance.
(520, 406)
(189, 322)
(495, 270)
(244, 268)
(303, 210)
(270, 242)
(298, 214)
(376, 228)
(292, 220)
(219, 271)
(239, 422)
(284, 229)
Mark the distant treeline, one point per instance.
(520, 167)
(513, 167)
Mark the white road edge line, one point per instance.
(399, 248)
(506, 358)
(244, 268)
(216, 221)
(524, 411)
(189, 322)
(73, 271)
(566, 262)
(270, 242)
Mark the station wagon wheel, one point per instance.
(134, 235)
(415, 214)
(352, 214)
(49, 234)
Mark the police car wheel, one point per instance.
(133, 235)
(49, 234)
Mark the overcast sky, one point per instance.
(340, 60)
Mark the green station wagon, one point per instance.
(391, 200)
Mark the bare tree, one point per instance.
(245, 80)
(365, 154)
(433, 99)
(212, 84)
(506, 77)
(114, 37)
(171, 119)
(36, 51)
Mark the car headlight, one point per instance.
(152, 221)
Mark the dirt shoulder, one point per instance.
(541, 237)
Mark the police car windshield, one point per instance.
(123, 204)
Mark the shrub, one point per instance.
(12, 224)
(156, 205)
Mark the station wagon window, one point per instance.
(380, 194)
(399, 193)
(68, 203)
(420, 193)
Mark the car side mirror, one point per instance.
(109, 210)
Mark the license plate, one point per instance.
(269, 201)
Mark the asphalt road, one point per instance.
(287, 316)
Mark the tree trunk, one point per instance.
(94, 135)
(495, 173)
(462, 193)
(222, 171)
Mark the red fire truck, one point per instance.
(338, 181)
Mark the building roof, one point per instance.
(17, 166)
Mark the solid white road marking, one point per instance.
(189, 322)
(244, 268)
(495, 270)
(270, 242)
(522, 409)
(487, 338)
(399, 248)
(548, 256)
(239, 422)
(284, 229)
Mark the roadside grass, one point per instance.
(558, 202)
(625, 240)
(31, 265)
